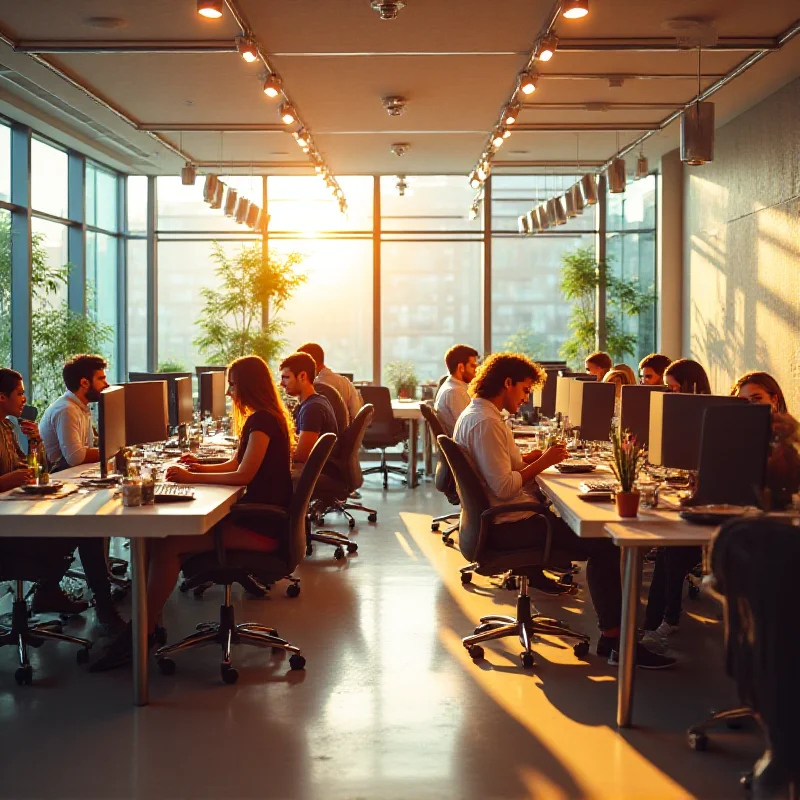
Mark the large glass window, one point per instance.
(428, 203)
(5, 288)
(136, 265)
(304, 205)
(5, 163)
(101, 291)
(101, 198)
(49, 179)
(136, 206)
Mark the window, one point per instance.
(137, 204)
(304, 205)
(137, 305)
(101, 291)
(429, 203)
(49, 179)
(101, 198)
(5, 163)
(5, 288)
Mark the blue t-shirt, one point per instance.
(315, 414)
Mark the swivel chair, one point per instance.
(22, 632)
(341, 478)
(337, 403)
(385, 431)
(248, 568)
(475, 542)
(443, 478)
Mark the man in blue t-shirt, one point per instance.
(313, 414)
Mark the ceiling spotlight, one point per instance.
(527, 82)
(210, 187)
(247, 49)
(188, 174)
(402, 185)
(547, 49)
(400, 148)
(498, 137)
(288, 114)
(577, 198)
(506, 133)
(318, 168)
(544, 217)
(569, 203)
(253, 213)
(394, 105)
(474, 180)
(272, 85)
(219, 190)
(210, 9)
(230, 202)
(575, 9)
(589, 186)
(242, 208)
(534, 224)
(522, 224)
(473, 211)
(697, 134)
(642, 167)
(616, 176)
(482, 175)
(511, 114)
(301, 137)
(388, 9)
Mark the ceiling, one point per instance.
(455, 61)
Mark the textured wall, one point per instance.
(741, 248)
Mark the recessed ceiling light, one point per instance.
(210, 9)
(575, 9)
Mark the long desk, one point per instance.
(99, 513)
(409, 410)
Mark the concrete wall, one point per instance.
(741, 248)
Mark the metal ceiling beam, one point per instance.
(579, 127)
(599, 106)
(254, 164)
(665, 44)
(566, 164)
(136, 46)
(624, 76)
(216, 127)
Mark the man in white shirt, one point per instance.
(453, 397)
(350, 395)
(66, 426)
(503, 383)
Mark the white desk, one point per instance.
(100, 514)
(409, 409)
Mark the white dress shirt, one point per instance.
(451, 399)
(66, 430)
(350, 395)
(488, 442)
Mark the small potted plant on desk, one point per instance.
(402, 377)
(628, 459)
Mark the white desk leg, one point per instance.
(139, 620)
(413, 435)
(631, 588)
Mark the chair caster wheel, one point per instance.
(229, 674)
(698, 741)
(338, 553)
(309, 549)
(24, 675)
(434, 526)
(297, 662)
(82, 656)
(475, 652)
(160, 635)
(447, 541)
(527, 660)
(166, 665)
(466, 577)
(351, 523)
(372, 518)
(352, 547)
(293, 590)
(581, 649)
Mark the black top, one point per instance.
(272, 483)
(315, 414)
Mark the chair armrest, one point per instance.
(260, 510)
(508, 508)
(488, 521)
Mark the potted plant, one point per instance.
(402, 376)
(628, 459)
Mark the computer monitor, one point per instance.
(635, 411)
(544, 398)
(172, 398)
(348, 375)
(591, 408)
(563, 385)
(212, 395)
(184, 402)
(676, 421)
(111, 409)
(213, 368)
(146, 412)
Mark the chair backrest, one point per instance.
(443, 477)
(349, 444)
(337, 403)
(471, 492)
(381, 399)
(734, 445)
(301, 497)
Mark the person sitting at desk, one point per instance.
(452, 397)
(350, 395)
(67, 423)
(313, 414)
(651, 369)
(685, 376)
(783, 464)
(262, 464)
(503, 383)
(598, 364)
(48, 596)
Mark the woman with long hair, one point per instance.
(762, 388)
(262, 464)
(687, 377)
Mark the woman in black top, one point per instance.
(262, 464)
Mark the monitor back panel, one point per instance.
(170, 378)
(112, 425)
(184, 403)
(212, 394)
(635, 411)
(545, 398)
(591, 408)
(146, 412)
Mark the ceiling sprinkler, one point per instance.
(388, 9)
(402, 185)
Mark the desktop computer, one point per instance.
(591, 408)
(146, 412)
(544, 398)
(635, 411)
(111, 426)
(212, 394)
(184, 402)
(172, 379)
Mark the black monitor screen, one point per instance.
(212, 395)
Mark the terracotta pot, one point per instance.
(627, 504)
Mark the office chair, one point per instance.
(475, 542)
(22, 632)
(247, 568)
(337, 404)
(333, 489)
(384, 431)
(443, 478)
(753, 565)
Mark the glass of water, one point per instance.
(648, 494)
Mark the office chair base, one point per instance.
(697, 735)
(337, 540)
(344, 508)
(444, 518)
(526, 625)
(227, 633)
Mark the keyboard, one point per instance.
(173, 493)
(596, 486)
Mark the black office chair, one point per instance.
(341, 478)
(753, 565)
(22, 632)
(475, 542)
(339, 408)
(384, 431)
(247, 568)
(442, 478)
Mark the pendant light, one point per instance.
(697, 129)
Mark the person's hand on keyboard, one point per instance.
(178, 474)
(188, 458)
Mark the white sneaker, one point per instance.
(655, 642)
(665, 629)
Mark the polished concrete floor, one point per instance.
(389, 706)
